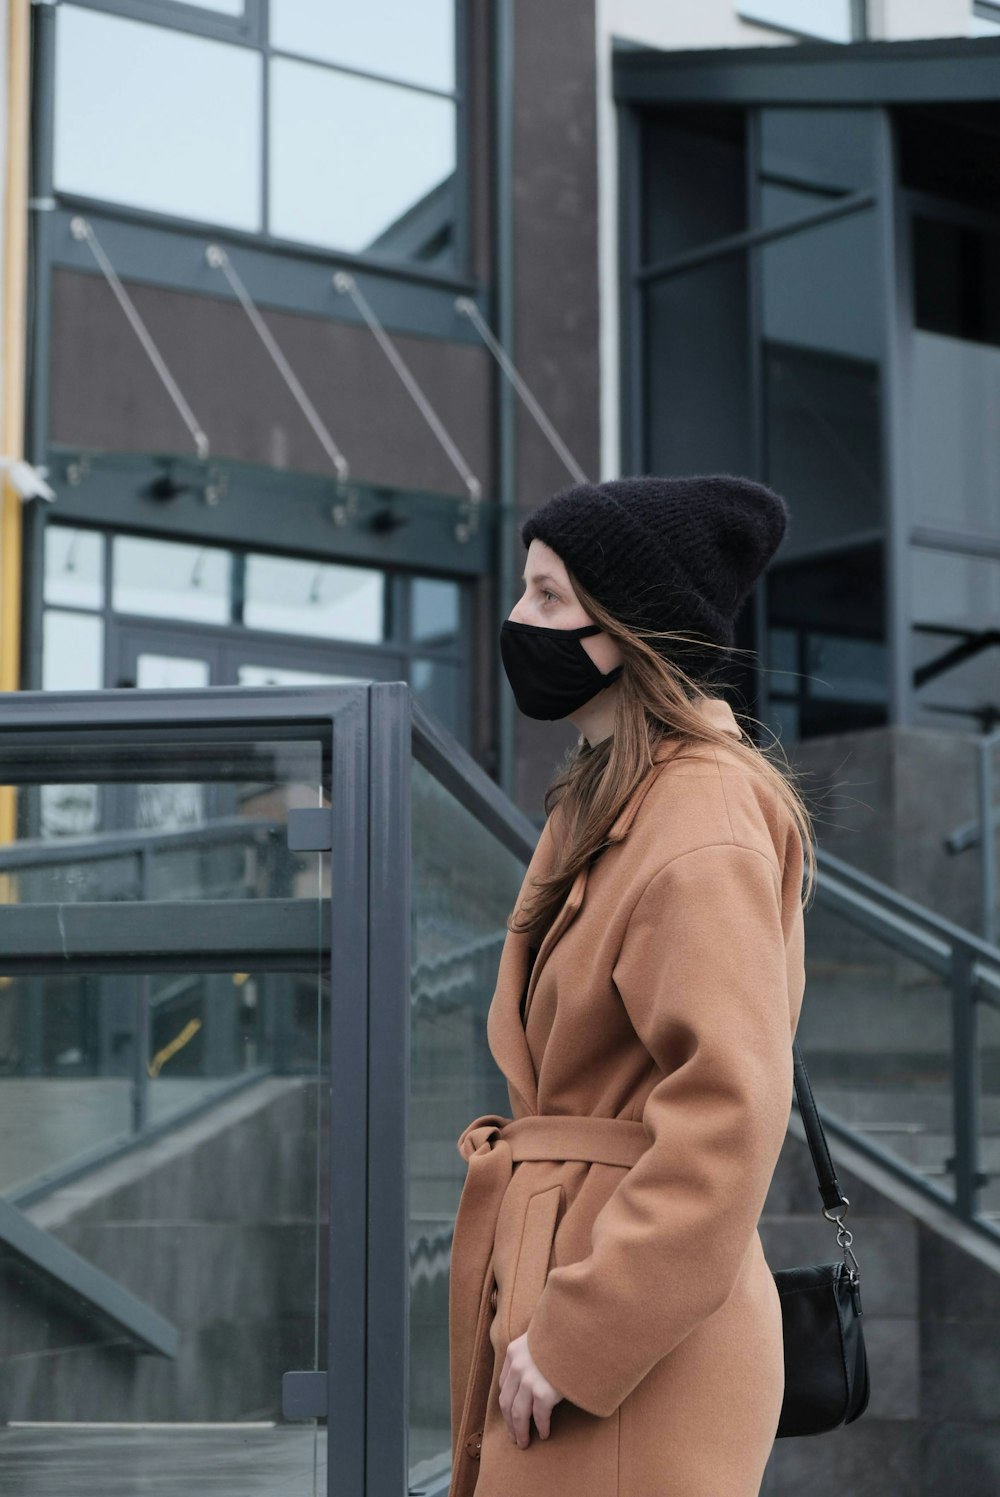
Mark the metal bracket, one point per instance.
(310, 829)
(303, 1395)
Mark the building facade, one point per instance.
(255, 286)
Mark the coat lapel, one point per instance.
(505, 1028)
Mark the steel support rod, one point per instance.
(81, 229)
(348, 286)
(219, 260)
(988, 837)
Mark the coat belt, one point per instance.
(491, 1146)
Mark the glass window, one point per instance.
(697, 360)
(695, 182)
(279, 675)
(820, 151)
(72, 651)
(167, 579)
(956, 280)
(434, 611)
(222, 7)
(829, 19)
(955, 604)
(955, 458)
(74, 567)
(299, 597)
(157, 118)
(360, 165)
(175, 671)
(397, 38)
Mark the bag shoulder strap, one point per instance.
(829, 1185)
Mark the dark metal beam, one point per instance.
(112, 489)
(813, 74)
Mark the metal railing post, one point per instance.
(141, 1027)
(965, 1081)
(988, 837)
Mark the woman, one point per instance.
(615, 1330)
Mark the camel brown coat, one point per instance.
(615, 1219)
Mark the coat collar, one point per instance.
(505, 1029)
(718, 714)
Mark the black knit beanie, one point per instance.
(667, 553)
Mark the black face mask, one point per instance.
(550, 673)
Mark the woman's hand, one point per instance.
(525, 1393)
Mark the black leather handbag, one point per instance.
(826, 1364)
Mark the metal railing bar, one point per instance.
(837, 1126)
(871, 915)
(90, 1290)
(915, 914)
(31, 853)
(171, 935)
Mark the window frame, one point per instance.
(251, 32)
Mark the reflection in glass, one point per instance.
(305, 597)
(434, 610)
(694, 185)
(828, 19)
(955, 607)
(74, 566)
(170, 580)
(72, 651)
(698, 396)
(157, 118)
(360, 165)
(464, 887)
(820, 151)
(821, 415)
(838, 258)
(395, 38)
(954, 400)
(832, 605)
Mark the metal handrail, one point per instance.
(971, 967)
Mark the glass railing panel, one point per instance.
(464, 885)
(876, 1034)
(163, 1066)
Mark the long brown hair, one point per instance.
(655, 701)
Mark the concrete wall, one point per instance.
(214, 1227)
(886, 799)
(932, 1330)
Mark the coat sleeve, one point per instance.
(703, 973)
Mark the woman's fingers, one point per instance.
(520, 1414)
(525, 1394)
